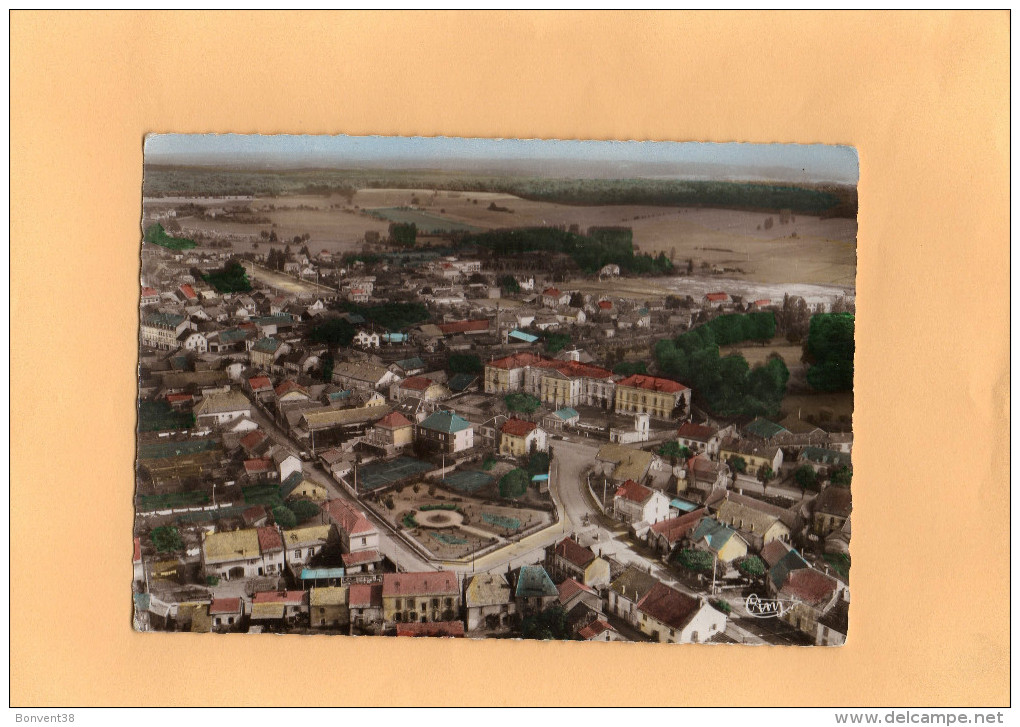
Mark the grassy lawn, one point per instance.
(158, 416)
(268, 495)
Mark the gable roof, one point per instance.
(310, 534)
(516, 361)
(224, 606)
(809, 586)
(675, 529)
(393, 420)
(269, 539)
(517, 427)
(819, 455)
(363, 595)
(288, 386)
(328, 596)
(715, 297)
(419, 584)
(260, 383)
(698, 432)
(227, 546)
(633, 583)
(460, 382)
(446, 422)
(774, 551)
(348, 518)
(785, 566)
(566, 413)
(595, 629)
(464, 326)
(416, 383)
(764, 429)
(571, 587)
(487, 589)
(834, 500)
(669, 606)
(573, 552)
(631, 490)
(713, 532)
(222, 403)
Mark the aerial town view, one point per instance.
(588, 391)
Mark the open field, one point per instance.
(285, 283)
(426, 223)
(807, 250)
(817, 407)
(756, 354)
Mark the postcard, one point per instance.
(495, 388)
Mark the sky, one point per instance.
(786, 162)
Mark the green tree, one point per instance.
(167, 539)
(403, 234)
(841, 476)
(696, 561)
(284, 516)
(335, 332)
(738, 463)
(765, 475)
(514, 484)
(752, 566)
(830, 352)
(509, 284)
(304, 510)
(546, 625)
(327, 367)
(806, 478)
(465, 363)
(538, 464)
(524, 403)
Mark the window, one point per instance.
(364, 541)
(230, 621)
(435, 603)
(297, 553)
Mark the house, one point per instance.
(259, 470)
(506, 375)
(285, 462)
(226, 613)
(357, 534)
(700, 438)
(820, 459)
(669, 616)
(718, 539)
(599, 630)
(298, 485)
(161, 330)
(832, 626)
(664, 536)
(300, 544)
(327, 607)
(446, 431)
(220, 408)
(764, 430)
(282, 607)
(651, 395)
(428, 596)
(260, 387)
(755, 455)
(621, 463)
(553, 297)
(240, 554)
(716, 300)
(418, 387)
(408, 366)
(812, 594)
(290, 391)
(569, 559)
(362, 375)
(572, 592)
(195, 341)
(534, 590)
(703, 475)
(759, 523)
(366, 339)
(470, 328)
(393, 430)
(635, 503)
(488, 603)
(831, 510)
(365, 603)
(150, 296)
(567, 416)
(519, 438)
(266, 351)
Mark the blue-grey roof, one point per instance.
(819, 455)
(683, 505)
(764, 428)
(267, 345)
(534, 582)
(311, 574)
(290, 484)
(461, 381)
(522, 336)
(446, 422)
(788, 563)
(714, 532)
(566, 413)
(163, 320)
(414, 362)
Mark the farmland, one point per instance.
(426, 223)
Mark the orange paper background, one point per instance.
(923, 97)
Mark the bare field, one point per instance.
(814, 406)
(756, 354)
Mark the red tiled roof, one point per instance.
(464, 326)
(188, 291)
(417, 383)
(361, 556)
(419, 584)
(574, 552)
(148, 292)
(773, 551)
(252, 440)
(437, 628)
(138, 550)
(669, 606)
(290, 598)
(288, 386)
(517, 427)
(652, 383)
(762, 302)
(551, 291)
(254, 513)
(394, 420)
(570, 588)
(258, 383)
(269, 539)
(676, 529)
(516, 361)
(176, 398)
(258, 466)
(715, 297)
(575, 369)
(365, 594)
(348, 518)
(605, 304)
(594, 630)
(808, 586)
(633, 491)
(690, 430)
(224, 605)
